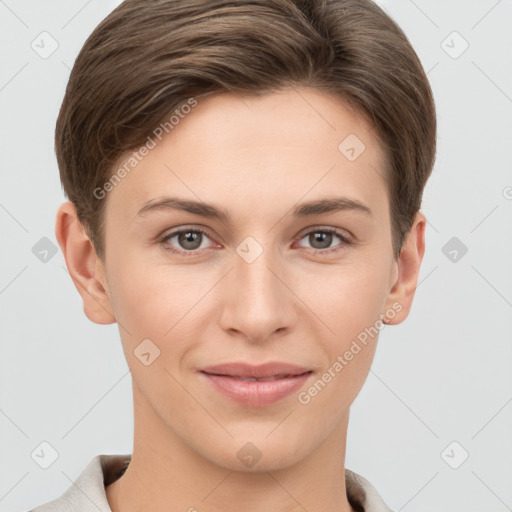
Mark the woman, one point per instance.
(247, 178)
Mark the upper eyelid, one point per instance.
(304, 231)
(299, 236)
(336, 231)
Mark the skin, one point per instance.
(255, 157)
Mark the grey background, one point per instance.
(443, 376)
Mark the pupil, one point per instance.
(188, 240)
(323, 238)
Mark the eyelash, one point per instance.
(163, 240)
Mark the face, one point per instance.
(274, 277)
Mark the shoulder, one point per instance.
(87, 492)
(362, 494)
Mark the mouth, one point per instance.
(256, 386)
(271, 370)
(258, 379)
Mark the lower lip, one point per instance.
(256, 393)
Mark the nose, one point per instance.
(257, 300)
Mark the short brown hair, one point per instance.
(148, 57)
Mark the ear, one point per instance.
(84, 266)
(401, 294)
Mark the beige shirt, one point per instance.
(87, 493)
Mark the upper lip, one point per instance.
(241, 369)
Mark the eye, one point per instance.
(322, 238)
(188, 240)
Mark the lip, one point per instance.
(227, 379)
(242, 369)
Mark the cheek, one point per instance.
(347, 303)
(157, 301)
(346, 298)
(143, 294)
(348, 311)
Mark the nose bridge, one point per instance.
(253, 275)
(257, 302)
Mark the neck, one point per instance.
(166, 474)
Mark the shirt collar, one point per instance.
(87, 493)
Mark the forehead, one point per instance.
(243, 149)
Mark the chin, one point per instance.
(258, 453)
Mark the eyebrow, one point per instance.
(327, 205)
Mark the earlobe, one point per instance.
(401, 295)
(83, 265)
